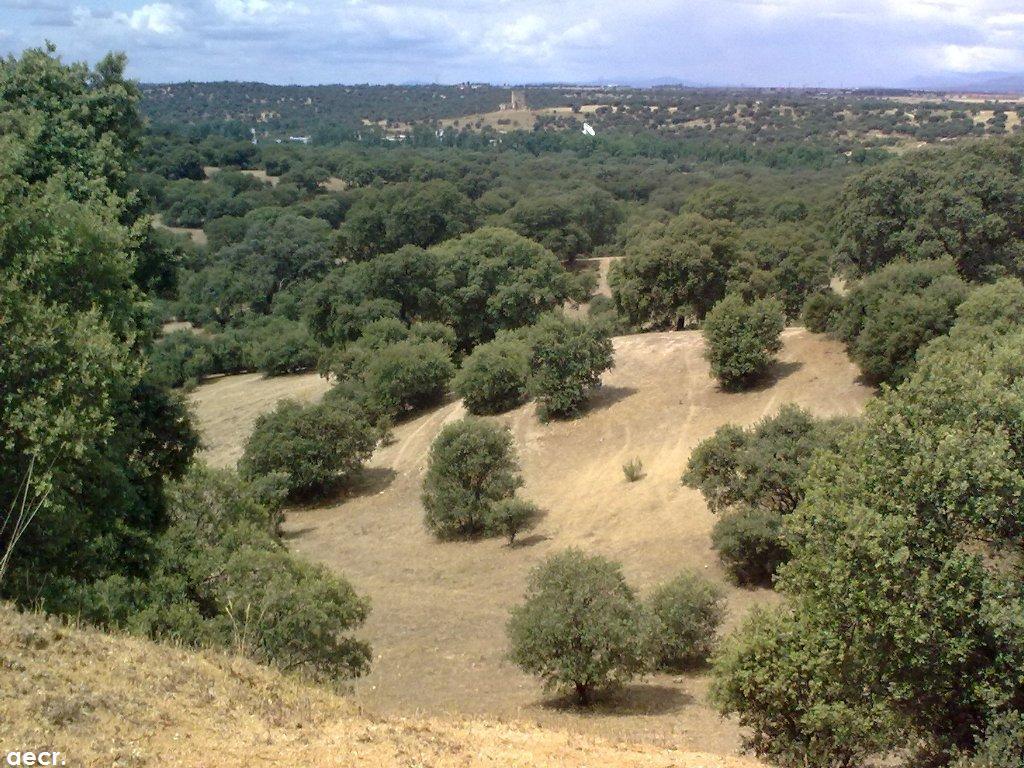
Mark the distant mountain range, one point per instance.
(979, 82)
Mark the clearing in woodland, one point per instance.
(439, 609)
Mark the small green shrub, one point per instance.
(750, 544)
(633, 470)
(821, 312)
(581, 627)
(689, 610)
(406, 376)
(471, 468)
(510, 517)
(742, 339)
(566, 362)
(494, 377)
(318, 447)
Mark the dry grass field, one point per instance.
(103, 700)
(439, 609)
(198, 235)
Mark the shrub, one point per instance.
(406, 376)
(633, 470)
(510, 517)
(284, 346)
(181, 358)
(581, 627)
(750, 544)
(471, 468)
(742, 339)
(764, 465)
(821, 312)
(689, 610)
(896, 311)
(494, 377)
(1002, 746)
(566, 362)
(319, 447)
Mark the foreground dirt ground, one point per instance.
(102, 700)
(439, 609)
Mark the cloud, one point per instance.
(157, 18)
(765, 42)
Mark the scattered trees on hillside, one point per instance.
(742, 339)
(471, 469)
(566, 362)
(751, 478)
(317, 447)
(581, 628)
(901, 629)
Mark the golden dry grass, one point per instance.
(439, 609)
(226, 407)
(197, 235)
(105, 700)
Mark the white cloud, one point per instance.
(157, 18)
(259, 10)
(979, 58)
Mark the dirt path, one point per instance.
(439, 610)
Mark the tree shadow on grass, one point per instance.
(776, 373)
(605, 397)
(638, 699)
(369, 482)
(529, 541)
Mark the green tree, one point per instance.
(689, 610)
(100, 442)
(901, 629)
(895, 311)
(567, 359)
(318, 447)
(494, 279)
(673, 272)
(742, 339)
(581, 627)
(472, 467)
(494, 377)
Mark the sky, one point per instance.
(725, 42)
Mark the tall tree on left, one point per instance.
(74, 404)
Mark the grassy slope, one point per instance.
(105, 700)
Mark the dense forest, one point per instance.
(147, 244)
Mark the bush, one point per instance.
(1002, 747)
(407, 376)
(181, 358)
(471, 468)
(689, 610)
(284, 346)
(633, 470)
(750, 544)
(896, 311)
(510, 517)
(821, 312)
(494, 377)
(318, 447)
(581, 627)
(742, 339)
(566, 361)
(762, 466)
